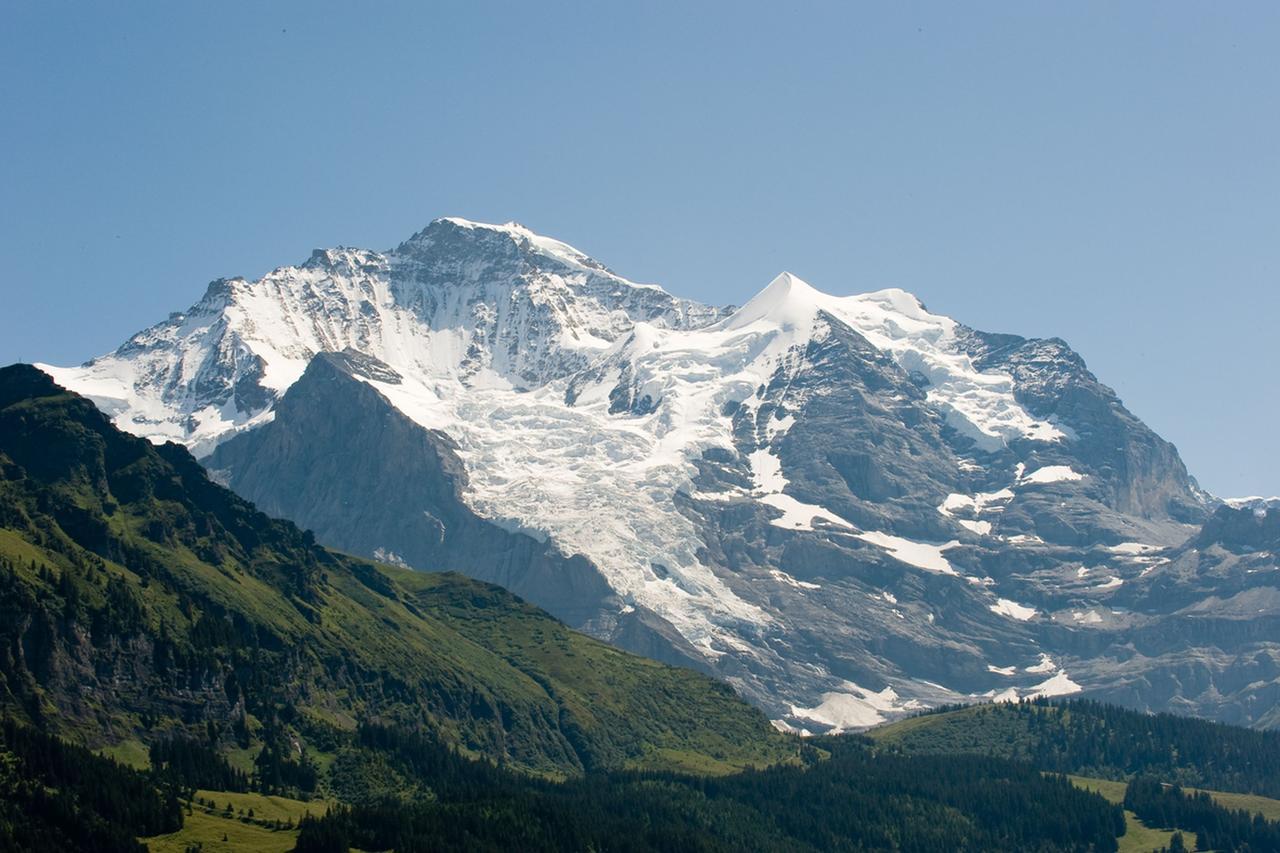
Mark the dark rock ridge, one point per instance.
(1139, 472)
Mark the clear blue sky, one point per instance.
(1108, 173)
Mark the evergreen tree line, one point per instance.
(1216, 827)
(55, 796)
(190, 764)
(277, 773)
(855, 799)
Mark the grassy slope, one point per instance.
(596, 682)
(1265, 806)
(492, 675)
(1114, 791)
(1138, 837)
(207, 827)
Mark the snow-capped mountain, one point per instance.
(456, 303)
(847, 506)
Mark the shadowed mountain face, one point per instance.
(848, 507)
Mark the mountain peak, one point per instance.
(788, 301)
(788, 283)
(792, 302)
(448, 229)
(506, 227)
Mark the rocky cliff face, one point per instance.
(848, 507)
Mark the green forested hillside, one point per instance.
(848, 797)
(1091, 739)
(1150, 763)
(141, 602)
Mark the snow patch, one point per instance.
(1133, 548)
(1046, 664)
(922, 555)
(1051, 474)
(786, 728)
(1058, 685)
(1009, 694)
(855, 708)
(978, 503)
(1012, 609)
(766, 475)
(787, 579)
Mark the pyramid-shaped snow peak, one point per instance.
(788, 301)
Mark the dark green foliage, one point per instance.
(854, 800)
(190, 764)
(277, 773)
(54, 796)
(1092, 739)
(1216, 828)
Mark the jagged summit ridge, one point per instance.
(460, 301)
(521, 237)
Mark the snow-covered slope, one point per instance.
(816, 492)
